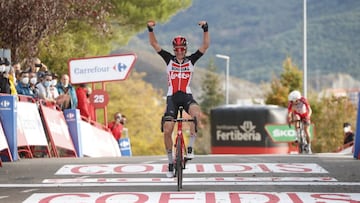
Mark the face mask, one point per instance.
(7, 69)
(25, 80)
(33, 81)
(47, 83)
(53, 82)
(66, 85)
(2, 68)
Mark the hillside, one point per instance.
(259, 34)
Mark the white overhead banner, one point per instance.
(100, 69)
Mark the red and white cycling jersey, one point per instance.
(179, 74)
(301, 108)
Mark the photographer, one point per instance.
(116, 127)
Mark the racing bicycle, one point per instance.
(180, 149)
(300, 136)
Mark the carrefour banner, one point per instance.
(234, 126)
(8, 114)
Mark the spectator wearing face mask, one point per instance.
(348, 134)
(23, 86)
(67, 93)
(32, 83)
(53, 89)
(43, 88)
(5, 83)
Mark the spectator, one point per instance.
(116, 127)
(43, 88)
(123, 120)
(12, 80)
(23, 86)
(32, 83)
(83, 102)
(91, 106)
(53, 89)
(67, 94)
(5, 86)
(348, 134)
(15, 72)
(35, 65)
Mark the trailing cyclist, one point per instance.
(299, 109)
(179, 68)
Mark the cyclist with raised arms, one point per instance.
(179, 68)
(299, 109)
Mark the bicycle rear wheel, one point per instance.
(179, 164)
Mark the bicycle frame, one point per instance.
(300, 134)
(180, 149)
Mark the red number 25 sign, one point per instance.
(99, 98)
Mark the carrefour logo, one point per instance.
(120, 67)
(5, 103)
(244, 132)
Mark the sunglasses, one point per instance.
(179, 49)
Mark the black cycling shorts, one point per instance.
(175, 101)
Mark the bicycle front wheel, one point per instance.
(179, 167)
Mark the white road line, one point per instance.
(205, 179)
(43, 185)
(29, 190)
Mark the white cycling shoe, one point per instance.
(190, 153)
(170, 173)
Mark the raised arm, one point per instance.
(206, 38)
(152, 39)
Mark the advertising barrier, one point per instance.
(124, 143)
(58, 132)
(241, 129)
(4, 147)
(32, 138)
(357, 135)
(90, 140)
(8, 114)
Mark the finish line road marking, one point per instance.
(45, 185)
(194, 197)
(100, 169)
(169, 180)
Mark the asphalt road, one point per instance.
(212, 178)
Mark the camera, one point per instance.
(38, 65)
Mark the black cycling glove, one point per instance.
(205, 27)
(151, 29)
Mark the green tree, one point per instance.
(328, 116)
(290, 79)
(212, 94)
(25, 23)
(143, 106)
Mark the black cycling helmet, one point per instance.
(179, 41)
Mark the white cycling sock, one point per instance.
(170, 156)
(192, 140)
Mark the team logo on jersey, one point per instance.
(180, 67)
(180, 75)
